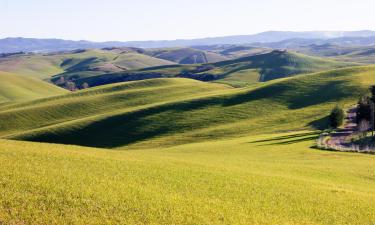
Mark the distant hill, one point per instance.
(357, 54)
(298, 42)
(50, 45)
(95, 61)
(237, 72)
(187, 55)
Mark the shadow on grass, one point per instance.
(285, 137)
(289, 139)
(320, 124)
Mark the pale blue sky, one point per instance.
(126, 20)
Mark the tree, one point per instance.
(71, 86)
(372, 90)
(336, 117)
(85, 85)
(363, 127)
(364, 109)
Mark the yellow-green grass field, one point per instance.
(263, 179)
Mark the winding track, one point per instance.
(341, 137)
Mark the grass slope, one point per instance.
(266, 179)
(238, 72)
(357, 54)
(14, 87)
(95, 104)
(37, 66)
(89, 62)
(187, 55)
(143, 118)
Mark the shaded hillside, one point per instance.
(101, 101)
(140, 119)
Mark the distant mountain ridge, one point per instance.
(367, 37)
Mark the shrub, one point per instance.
(336, 117)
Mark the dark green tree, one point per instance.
(364, 109)
(372, 90)
(336, 117)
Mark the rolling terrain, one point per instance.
(166, 149)
(358, 54)
(91, 61)
(237, 72)
(238, 66)
(187, 55)
(176, 111)
(192, 153)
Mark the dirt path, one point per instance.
(342, 137)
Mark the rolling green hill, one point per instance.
(89, 62)
(194, 111)
(239, 51)
(357, 54)
(238, 72)
(95, 104)
(14, 87)
(187, 55)
(197, 153)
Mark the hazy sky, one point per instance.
(125, 20)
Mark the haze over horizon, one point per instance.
(171, 20)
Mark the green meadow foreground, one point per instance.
(265, 179)
(181, 151)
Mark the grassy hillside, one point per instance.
(187, 55)
(278, 64)
(32, 65)
(239, 72)
(95, 104)
(14, 87)
(81, 68)
(266, 179)
(239, 51)
(357, 54)
(146, 117)
(89, 62)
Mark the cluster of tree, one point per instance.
(366, 113)
(71, 86)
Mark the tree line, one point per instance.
(365, 114)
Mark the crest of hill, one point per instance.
(14, 87)
(187, 55)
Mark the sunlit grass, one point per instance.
(267, 179)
